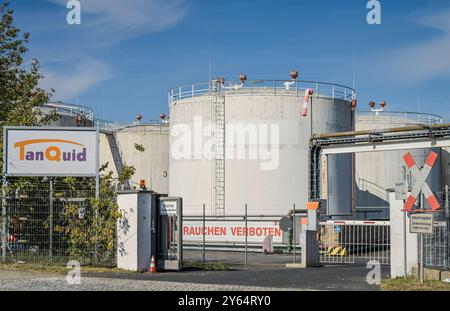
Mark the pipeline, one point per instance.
(383, 131)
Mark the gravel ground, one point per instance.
(104, 284)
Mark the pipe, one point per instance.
(391, 130)
(308, 94)
(288, 84)
(234, 86)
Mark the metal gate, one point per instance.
(355, 242)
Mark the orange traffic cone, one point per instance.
(152, 268)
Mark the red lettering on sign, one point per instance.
(235, 231)
(206, 231)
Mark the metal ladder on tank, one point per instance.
(219, 165)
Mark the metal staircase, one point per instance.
(219, 165)
(116, 154)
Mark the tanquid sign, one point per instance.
(37, 151)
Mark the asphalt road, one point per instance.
(345, 278)
(263, 271)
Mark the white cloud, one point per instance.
(114, 20)
(426, 60)
(85, 74)
(103, 23)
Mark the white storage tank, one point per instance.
(273, 174)
(119, 146)
(376, 172)
(446, 166)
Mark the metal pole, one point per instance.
(97, 197)
(246, 234)
(203, 232)
(97, 160)
(421, 259)
(405, 250)
(97, 194)
(447, 207)
(294, 237)
(4, 184)
(421, 246)
(50, 249)
(447, 216)
(405, 255)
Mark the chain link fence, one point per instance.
(53, 221)
(436, 250)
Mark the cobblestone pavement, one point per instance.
(108, 284)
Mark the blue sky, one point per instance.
(126, 55)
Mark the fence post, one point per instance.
(405, 242)
(203, 233)
(447, 216)
(4, 233)
(294, 237)
(447, 207)
(50, 248)
(246, 234)
(421, 255)
(97, 196)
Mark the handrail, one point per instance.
(71, 109)
(111, 126)
(105, 125)
(253, 87)
(403, 117)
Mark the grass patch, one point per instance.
(193, 265)
(413, 284)
(58, 269)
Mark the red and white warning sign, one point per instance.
(421, 185)
(231, 231)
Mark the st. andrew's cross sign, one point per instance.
(420, 176)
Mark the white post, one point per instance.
(397, 233)
(421, 264)
(246, 234)
(294, 238)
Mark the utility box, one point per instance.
(170, 235)
(136, 230)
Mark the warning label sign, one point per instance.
(421, 223)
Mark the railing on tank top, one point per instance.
(71, 109)
(399, 117)
(265, 87)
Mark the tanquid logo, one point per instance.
(29, 151)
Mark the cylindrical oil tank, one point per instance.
(145, 146)
(70, 115)
(377, 172)
(446, 165)
(267, 115)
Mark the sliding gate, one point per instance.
(355, 242)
